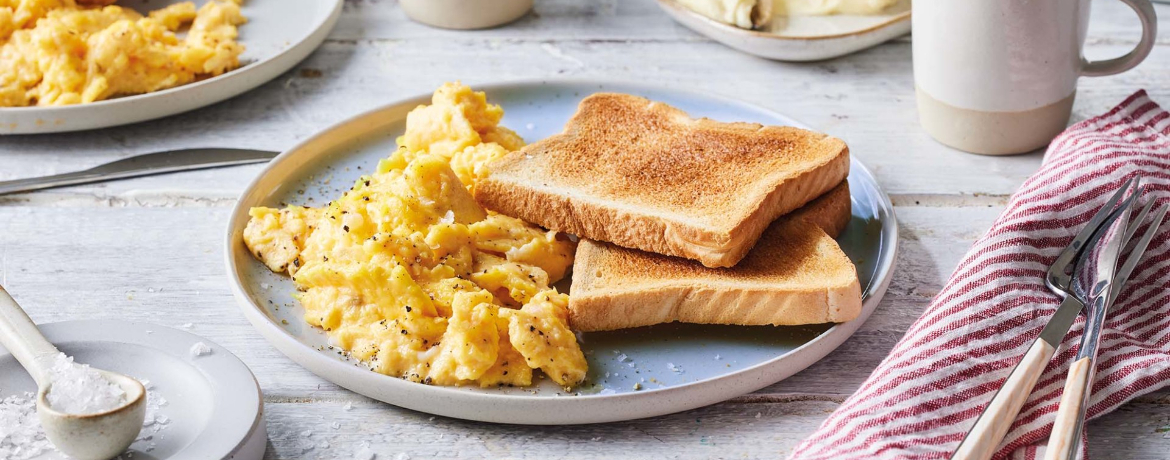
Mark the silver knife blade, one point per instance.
(1095, 271)
(143, 165)
(1061, 321)
(1094, 281)
(1059, 277)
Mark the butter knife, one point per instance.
(143, 165)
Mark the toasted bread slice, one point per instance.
(796, 274)
(644, 175)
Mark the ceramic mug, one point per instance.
(465, 14)
(999, 77)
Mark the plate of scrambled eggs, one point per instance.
(794, 30)
(362, 256)
(68, 65)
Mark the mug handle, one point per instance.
(1149, 20)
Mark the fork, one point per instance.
(984, 437)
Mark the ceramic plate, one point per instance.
(678, 367)
(278, 34)
(801, 38)
(212, 409)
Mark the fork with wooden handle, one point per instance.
(984, 437)
(1070, 417)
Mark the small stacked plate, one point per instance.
(801, 38)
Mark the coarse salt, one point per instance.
(200, 349)
(79, 389)
(23, 438)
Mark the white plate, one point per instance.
(801, 38)
(213, 401)
(717, 362)
(278, 35)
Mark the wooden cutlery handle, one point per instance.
(1062, 444)
(997, 418)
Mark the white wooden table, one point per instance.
(151, 249)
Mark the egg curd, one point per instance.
(408, 274)
(60, 52)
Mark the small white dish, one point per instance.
(801, 38)
(214, 406)
(465, 14)
(278, 35)
(677, 367)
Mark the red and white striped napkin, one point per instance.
(922, 399)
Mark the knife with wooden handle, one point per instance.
(993, 424)
(1102, 284)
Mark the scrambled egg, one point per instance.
(407, 273)
(59, 52)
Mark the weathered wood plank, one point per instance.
(868, 102)
(164, 265)
(866, 98)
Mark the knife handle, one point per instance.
(1070, 418)
(983, 439)
(45, 182)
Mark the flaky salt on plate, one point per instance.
(200, 349)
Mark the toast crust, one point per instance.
(645, 175)
(797, 274)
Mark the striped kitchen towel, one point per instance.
(922, 399)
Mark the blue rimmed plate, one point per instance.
(677, 367)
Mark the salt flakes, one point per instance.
(79, 389)
(23, 438)
(200, 349)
